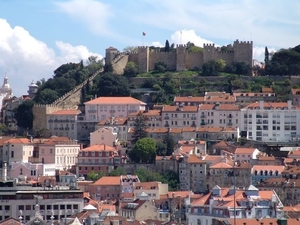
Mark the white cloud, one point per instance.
(157, 44)
(259, 53)
(185, 36)
(26, 58)
(93, 14)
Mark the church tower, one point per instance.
(33, 88)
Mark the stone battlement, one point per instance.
(180, 59)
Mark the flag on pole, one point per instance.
(144, 33)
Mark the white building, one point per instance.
(271, 121)
(5, 90)
(223, 203)
(246, 155)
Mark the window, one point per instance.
(12, 154)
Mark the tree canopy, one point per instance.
(144, 151)
(113, 85)
(139, 127)
(23, 114)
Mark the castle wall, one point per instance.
(180, 58)
(39, 115)
(208, 52)
(119, 66)
(228, 57)
(133, 57)
(169, 58)
(193, 60)
(243, 51)
(143, 59)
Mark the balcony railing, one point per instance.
(202, 116)
(193, 118)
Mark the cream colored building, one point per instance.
(104, 136)
(119, 124)
(152, 189)
(63, 123)
(17, 150)
(179, 116)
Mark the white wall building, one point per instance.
(271, 122)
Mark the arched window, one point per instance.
(255, 172)
(266, 173)
(261, 172)
(271, 172)
(276, 173)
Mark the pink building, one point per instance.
(104, 107)
(106, 188)
(97, 158)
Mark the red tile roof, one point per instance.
(174, 108)
(188, 99)
(275, 105)
(66, 112)
(18, 141)
(244, 150)
(108, 181)
(115, 101)
(99, 148)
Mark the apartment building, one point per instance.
(271, 122)
(246, 155)
(106, 188)
(63, 123)
(17, 150)
(219, 115)
(97, 158)
(119, 126)
(179, 116)
(19, 195)
(295, 96)
(105, 136)
(225, 203)
(153, 190)
(104, 107)
(260, 173)
(60, 151)
(152, 117)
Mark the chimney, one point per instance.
(289, 104)
(261, 104)
(4, 172)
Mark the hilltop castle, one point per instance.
(181, 59)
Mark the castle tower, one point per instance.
(143, 59)
(110, 54)
(208, 52)
(243, 51)
(33, 88)
(180, 58)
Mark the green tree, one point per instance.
(95, 175)
(130, 70)
(170, 144)
(195, 49)
(144, 151)
(220, 65)
(172, 179)
(167, 46)
(23, 114)
(117, 172)
(3, 129)
(161, 149)
(140, 127)
(210, 68)
(148, 176)
(113, 85)
(108, 68)
(46, 96)
(160, 67)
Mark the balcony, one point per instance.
(229, 123)
(112, 111)
(202, 123)
(92, 111)
(167, 125)
(258, 122)
(193, 118)
(202, 116)
(229, 116)
(50, 121)
(166, 117)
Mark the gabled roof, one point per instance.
(244, 150)
(99, 148)
(115, 101)
(188, 99)
(108, 181)
(18, 141)
(175, 108)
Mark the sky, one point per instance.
(37, 36)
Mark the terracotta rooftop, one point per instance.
(99, 148)
(108, 181)
(275, 105)
(188, 99)
(267, 90)
(295, 91)
(195, 159)
(244, 150)
(65, 112)
(175, 108)
(146, 113)
(221, 165)
(17, 141)
(272, 168)
(221, 144)
(115, 101)
(116, 121)
(146, 185)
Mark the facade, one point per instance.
(106, 188)
(179, 116)
(105, 107)
(153, 118)
(271, 122)
(223, 203)
(153, 190)
(17, 150)
(260, 173)
(97, 158)
(60, 151)
(219, 115)
(63, 123)
(246, 155)
(295, 96)
(104, 136)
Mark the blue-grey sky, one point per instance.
(36, 36)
